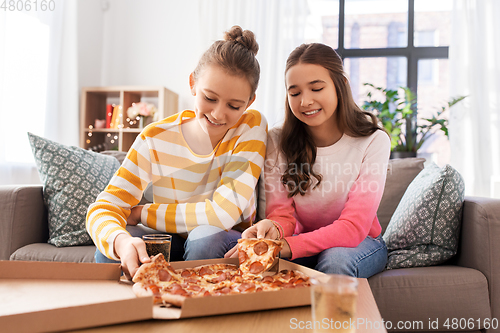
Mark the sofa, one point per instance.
(462, 294)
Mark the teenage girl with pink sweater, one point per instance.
(325, 171)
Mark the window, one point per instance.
(391, 43)
(23, 73)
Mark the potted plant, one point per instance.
(397, 114)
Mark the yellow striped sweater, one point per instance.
(189, 189)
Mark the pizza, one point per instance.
(257, 255)
(170, 286)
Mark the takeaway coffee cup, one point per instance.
(333, 302)
(158, 243)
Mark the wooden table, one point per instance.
(280, 320)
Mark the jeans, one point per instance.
(203, 242)
(363, 261)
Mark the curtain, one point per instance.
(279, 27)
(474, 57)
(38, 85)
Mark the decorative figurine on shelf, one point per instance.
(100, 123)
(142, 112)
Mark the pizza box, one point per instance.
(224, 304)
(56, 296)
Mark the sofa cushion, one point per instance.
(400, 173)
(119, 155)
(72, 178)
(147, 196)
(425, 227)
(429, 293)
(48, 252)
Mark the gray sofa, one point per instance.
(461, 292)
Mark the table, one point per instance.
(280, 320)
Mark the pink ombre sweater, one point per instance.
(342, 210)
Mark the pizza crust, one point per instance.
(140, 290)
(175, 300)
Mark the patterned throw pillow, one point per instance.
(425, 227)
(72, 179)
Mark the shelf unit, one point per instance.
(93, 106)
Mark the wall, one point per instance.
(126, 42)
(90, 25)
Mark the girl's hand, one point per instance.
(233, 253)
(132, 253)
(267, 229)
(286, 252)
(263, 229)
(135, 215)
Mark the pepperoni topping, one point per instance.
(193, 287)
(179, 291)
(286, 275)
(277, 284)
(242, 257)
(154, 289)
(260, 248)
(236, 279)
(268, 279)
(205, 270)
(220, 278)
(186, 273)
(175, 286)
(256, 267)
(298, 281)
(225, 290)
(246, 287)
(164, 275)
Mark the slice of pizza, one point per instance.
(154, 277)
(257, 255)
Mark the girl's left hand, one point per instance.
(135, 215)
(263, 229)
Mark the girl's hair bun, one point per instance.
(236, 54)
(246, 38)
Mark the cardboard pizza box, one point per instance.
(224, 304)
(57, 296)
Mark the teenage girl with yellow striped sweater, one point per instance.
(203, 166)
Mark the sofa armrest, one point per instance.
(23, 218)
(479, 243)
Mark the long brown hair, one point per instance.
(296, 143)
(236, 54)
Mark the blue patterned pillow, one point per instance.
(425, 227)
(72, 178)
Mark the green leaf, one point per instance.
(397, 108)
